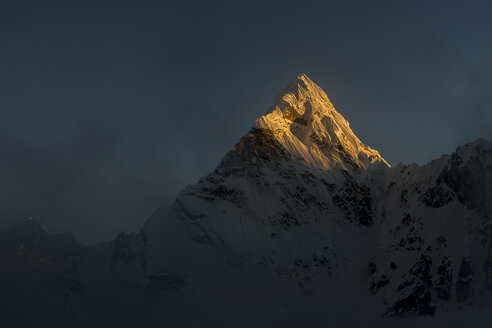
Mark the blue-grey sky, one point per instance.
(108, 109)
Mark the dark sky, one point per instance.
(108, 109)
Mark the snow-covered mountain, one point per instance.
(299, 214)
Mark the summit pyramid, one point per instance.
(303, 124)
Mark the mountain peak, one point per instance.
(300, 89)
(304, 122)
(300, 80)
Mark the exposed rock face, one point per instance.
(441, 229)
(298, 203)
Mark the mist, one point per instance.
(109, 109)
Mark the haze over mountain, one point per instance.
(300, 218)
(109, 109)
